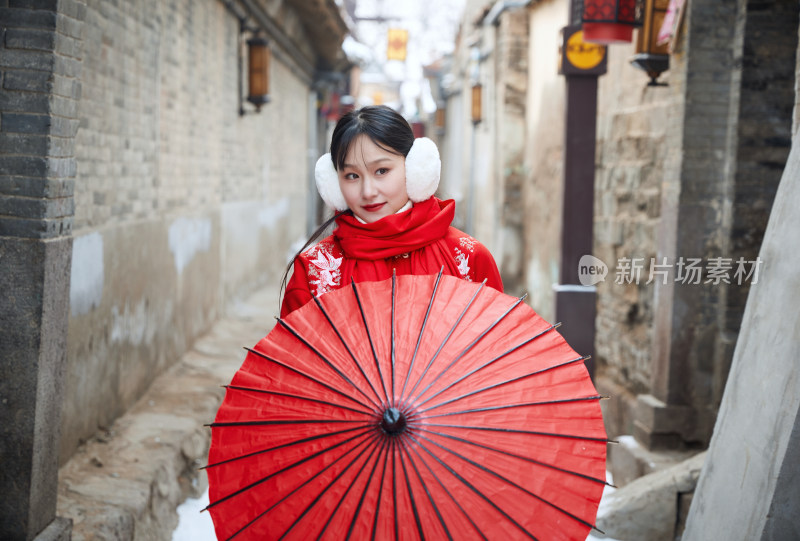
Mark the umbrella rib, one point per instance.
(494, 360)
(446, 338)
(446, 491)
(394, 490)
(411, 497)
(422, 329)
(364, 493)
(509, 406)
(473, 488)
(307, 481)
(510, 482)
(471, 345)
(277, 393)
(380, 490)
(282, 422)
(322, 357)
(427, 492)
(282, 446)
(369, 337)
(514, 455)
(315, 380)
(283, 470)
(518, 431)
(394, 294)
(346, 492)
(347, 347)
(500, 384)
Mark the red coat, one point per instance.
(417, 241)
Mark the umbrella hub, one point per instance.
(393, 422)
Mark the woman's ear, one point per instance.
(328, 183)
(423, 169)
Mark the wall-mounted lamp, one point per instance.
(477, 102)
(650, 56)
(610, 21)
(258, 60)
(258, 57)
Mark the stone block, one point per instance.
(30, 38)
(32, 344)
(34, 4)
(656, 440)
(30, 166)
(647, 509)
(25, 144)
(36, 187)
(23, 16)
(628, 459)
(60, 529)
(34, 229)
(24, 123)
(31, 102)
(657, 417)
(32, 81)
(69, 26)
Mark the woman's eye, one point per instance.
(350, 176)
(382, 171)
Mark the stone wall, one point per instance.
(632, 146)
(688, 171)
(180, 204)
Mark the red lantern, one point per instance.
(610, 21)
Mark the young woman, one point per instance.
(381, 181)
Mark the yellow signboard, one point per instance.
(583, 55)
(397, 44)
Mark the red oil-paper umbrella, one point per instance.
(418, 407)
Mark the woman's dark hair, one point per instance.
(385, 127)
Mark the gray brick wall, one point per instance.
(181, 205)
(39, 89)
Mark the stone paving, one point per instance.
(127, 481)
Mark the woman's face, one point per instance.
(373, 180)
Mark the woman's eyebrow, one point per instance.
(373, 162)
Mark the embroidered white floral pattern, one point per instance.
(324, 271)
(462, 257)
(468, 243)
(463, 264)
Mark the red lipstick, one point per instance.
(373, 208)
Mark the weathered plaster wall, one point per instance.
(544, 155)
(181, 204)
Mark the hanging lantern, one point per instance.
(651, 57)
(258, 56)
(610, 21)
(477, 99)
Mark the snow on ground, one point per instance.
(194, 525)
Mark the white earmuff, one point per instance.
(328, 183)
(423, 170)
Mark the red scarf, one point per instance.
(419, 232)
(397, 234)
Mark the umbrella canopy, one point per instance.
(416, 407)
